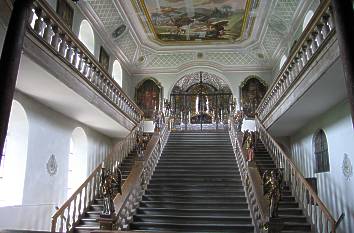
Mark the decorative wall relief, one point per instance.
(52, 165)
(252, 91)
(148, 96)
(347, 167)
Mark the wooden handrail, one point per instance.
(52, 32)
(138, 178)
(257, 204)
(282, 160)
(90, 188)
(316, 34)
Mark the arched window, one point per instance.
(321, 151)
(307, 19)
(117, 72)
(77, 169)
(13, 164)
(86, 36)
(282, 61)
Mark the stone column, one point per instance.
(344, 21)
(10, 60)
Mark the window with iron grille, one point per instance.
(321, 152)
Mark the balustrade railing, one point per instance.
(67, 215)
(316, 35)
(258, 212)
(308, 200)
(53, 33)
(136, 183)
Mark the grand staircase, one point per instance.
(289, 212)
(196, 187)
(89, 221)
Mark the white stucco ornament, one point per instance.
(52, 165)
(347, 167)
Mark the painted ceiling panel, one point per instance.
(180, 22)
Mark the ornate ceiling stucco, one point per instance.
(275, 19)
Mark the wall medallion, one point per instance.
(52, 165)
(347, 167)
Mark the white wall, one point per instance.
(49, 133)
(333, 188)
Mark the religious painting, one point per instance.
(66, 12)
(147, 95)
(253, 90)
(104, 58)
(196, 20)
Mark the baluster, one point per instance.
(75, 57)
(68, 218)
(74, 211)
(309, 48)
(69, 52)
(320, 36)
(55, 38)
(62, 46)
(48, 31)
(330, 18)
(89, 192)
(61, 226)
(89, 71)
(31, 17)
(93, 73)
(84, 66)
(80, 202)
(326, 28)
(38, 25)
(304, 57)
(81, 62)
(320, 221)
(314, 44)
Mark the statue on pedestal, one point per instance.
(272, 187)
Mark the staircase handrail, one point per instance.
(53, 33)
(301, 189)
(316, 35)
(257, 205)
(78, 202)
(138, 178)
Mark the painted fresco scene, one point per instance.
(196, 20)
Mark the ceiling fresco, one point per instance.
(196, 21)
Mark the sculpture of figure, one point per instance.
(272, 185)
(248, 145)
(111, 183)
(167, 107)
(238, 120)
(157, 120)
(140, 144)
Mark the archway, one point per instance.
(148, 95)
(13, 165)
(77, 168)
(253, 90)
(200, 100)
(86, 36)
(117, 72)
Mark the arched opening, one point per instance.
(77, 169)
(253, 90)
(148, 95)
(200, 100)
(13, 164)
(86, 36)
(321, 151)
(282, 61)
(117, 72)
(307, 19)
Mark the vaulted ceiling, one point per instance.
(170, 35)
